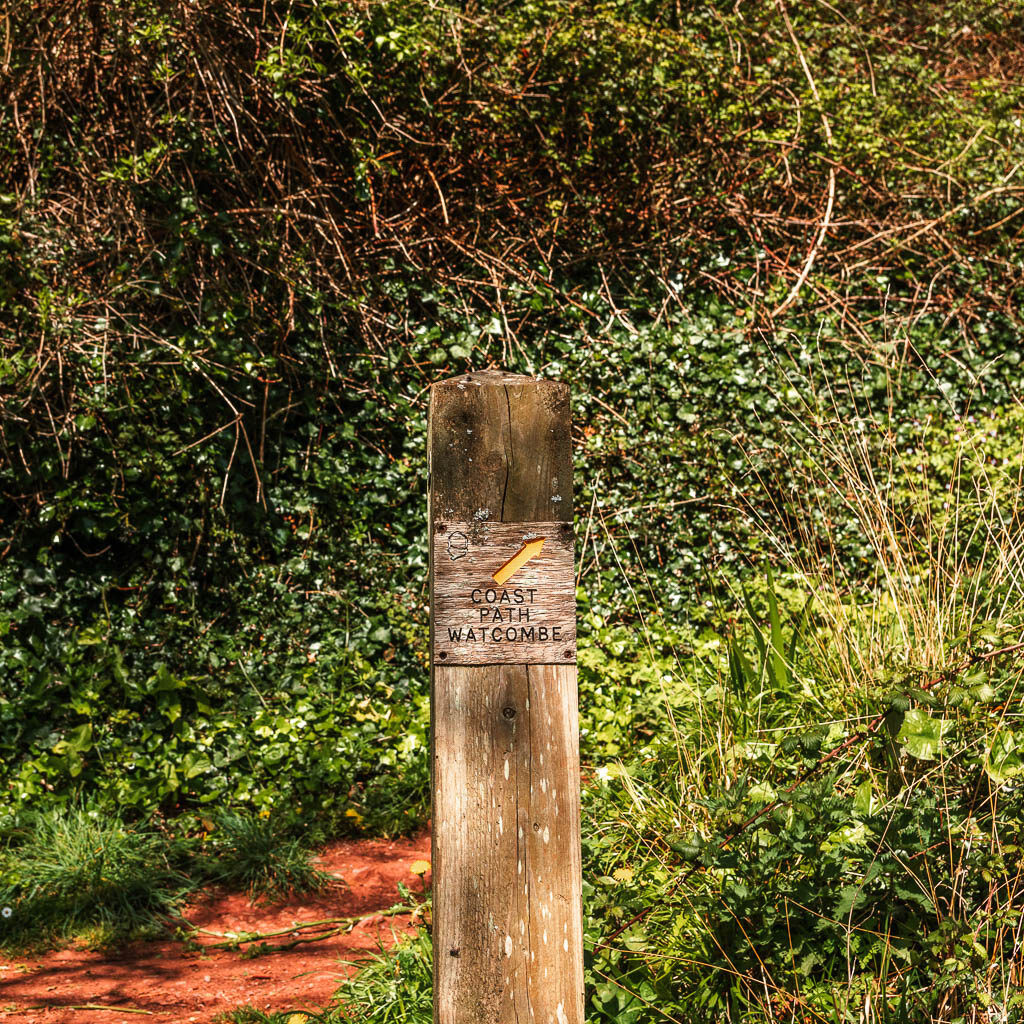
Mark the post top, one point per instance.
(492, 377)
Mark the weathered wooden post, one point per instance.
(508, 943)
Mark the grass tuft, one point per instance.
(261, 856)
(83, 871)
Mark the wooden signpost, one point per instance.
(507, 923)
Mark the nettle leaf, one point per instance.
(850, 898)
(1003, 758)
(922, 734)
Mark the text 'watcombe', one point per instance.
(492, 610)
(512, 634)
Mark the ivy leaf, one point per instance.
(193, 764)
(77, 742)
(922, 735)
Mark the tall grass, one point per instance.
(858, 858)
(931, 541)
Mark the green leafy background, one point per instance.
(237, 244)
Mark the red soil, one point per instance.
(172, 984)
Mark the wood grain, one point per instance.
(508, 945)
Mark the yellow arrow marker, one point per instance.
(518, 560)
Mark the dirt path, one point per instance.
(171, 984)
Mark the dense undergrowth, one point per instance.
(816, 811)
(775, 251)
